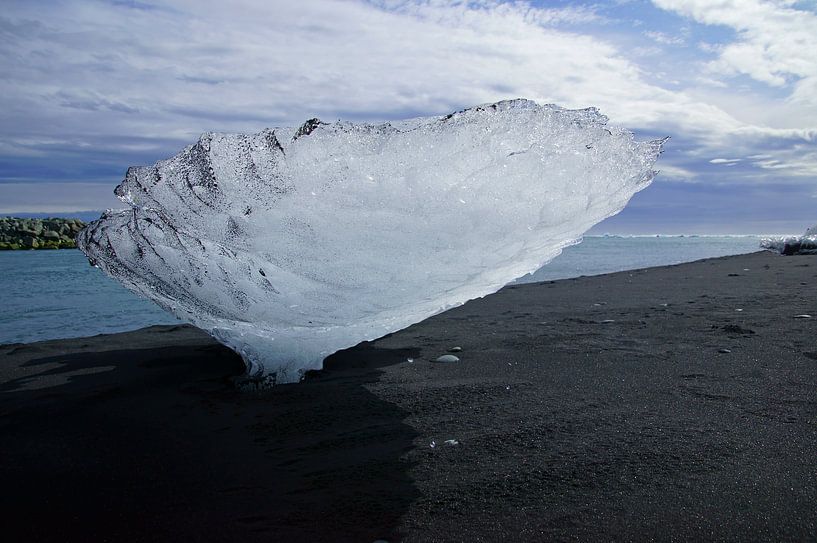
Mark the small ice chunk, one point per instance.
(793, 245)
(724, 351)
(433, 444)
(447, 358)
(455, 349)
(803, 316)
(451, 442)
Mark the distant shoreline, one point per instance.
(37, 234)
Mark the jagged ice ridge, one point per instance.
(293, 243)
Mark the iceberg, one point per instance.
(293, 243)
(793, 245)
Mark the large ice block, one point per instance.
(292, 243)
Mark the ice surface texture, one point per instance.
(793, 245)
(293, 243)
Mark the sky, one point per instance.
(92, 87)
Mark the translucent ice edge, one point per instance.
(293, 243)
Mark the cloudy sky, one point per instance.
(91, 87)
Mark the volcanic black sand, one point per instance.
(675, 403)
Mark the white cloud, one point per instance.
(675, 173)
(707, 47)
(724, 160)
(195, 66)
(664, 39)
(798, 161)
(775, 44)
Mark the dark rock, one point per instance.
(51, 233)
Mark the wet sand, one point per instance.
(673, 403)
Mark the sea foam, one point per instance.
(293, 243)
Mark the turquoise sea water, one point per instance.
(56, 294)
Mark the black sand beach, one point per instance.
(668, 404)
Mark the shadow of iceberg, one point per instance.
(161, 446)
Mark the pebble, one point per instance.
(447, 358)
(455, 349)
(725, 351)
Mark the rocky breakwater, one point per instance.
(38, 233)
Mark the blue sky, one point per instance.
(92, 87)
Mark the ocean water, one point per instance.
(606, 254)
(57, 294)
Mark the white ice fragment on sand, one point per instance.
(451, 442)
(333, 245)
(447, 358)
(409, 360)
(793, 245)
(455, 349)
(803, 316)
(724, 351)
(608, 321)
(433, 444)
(739, 310)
